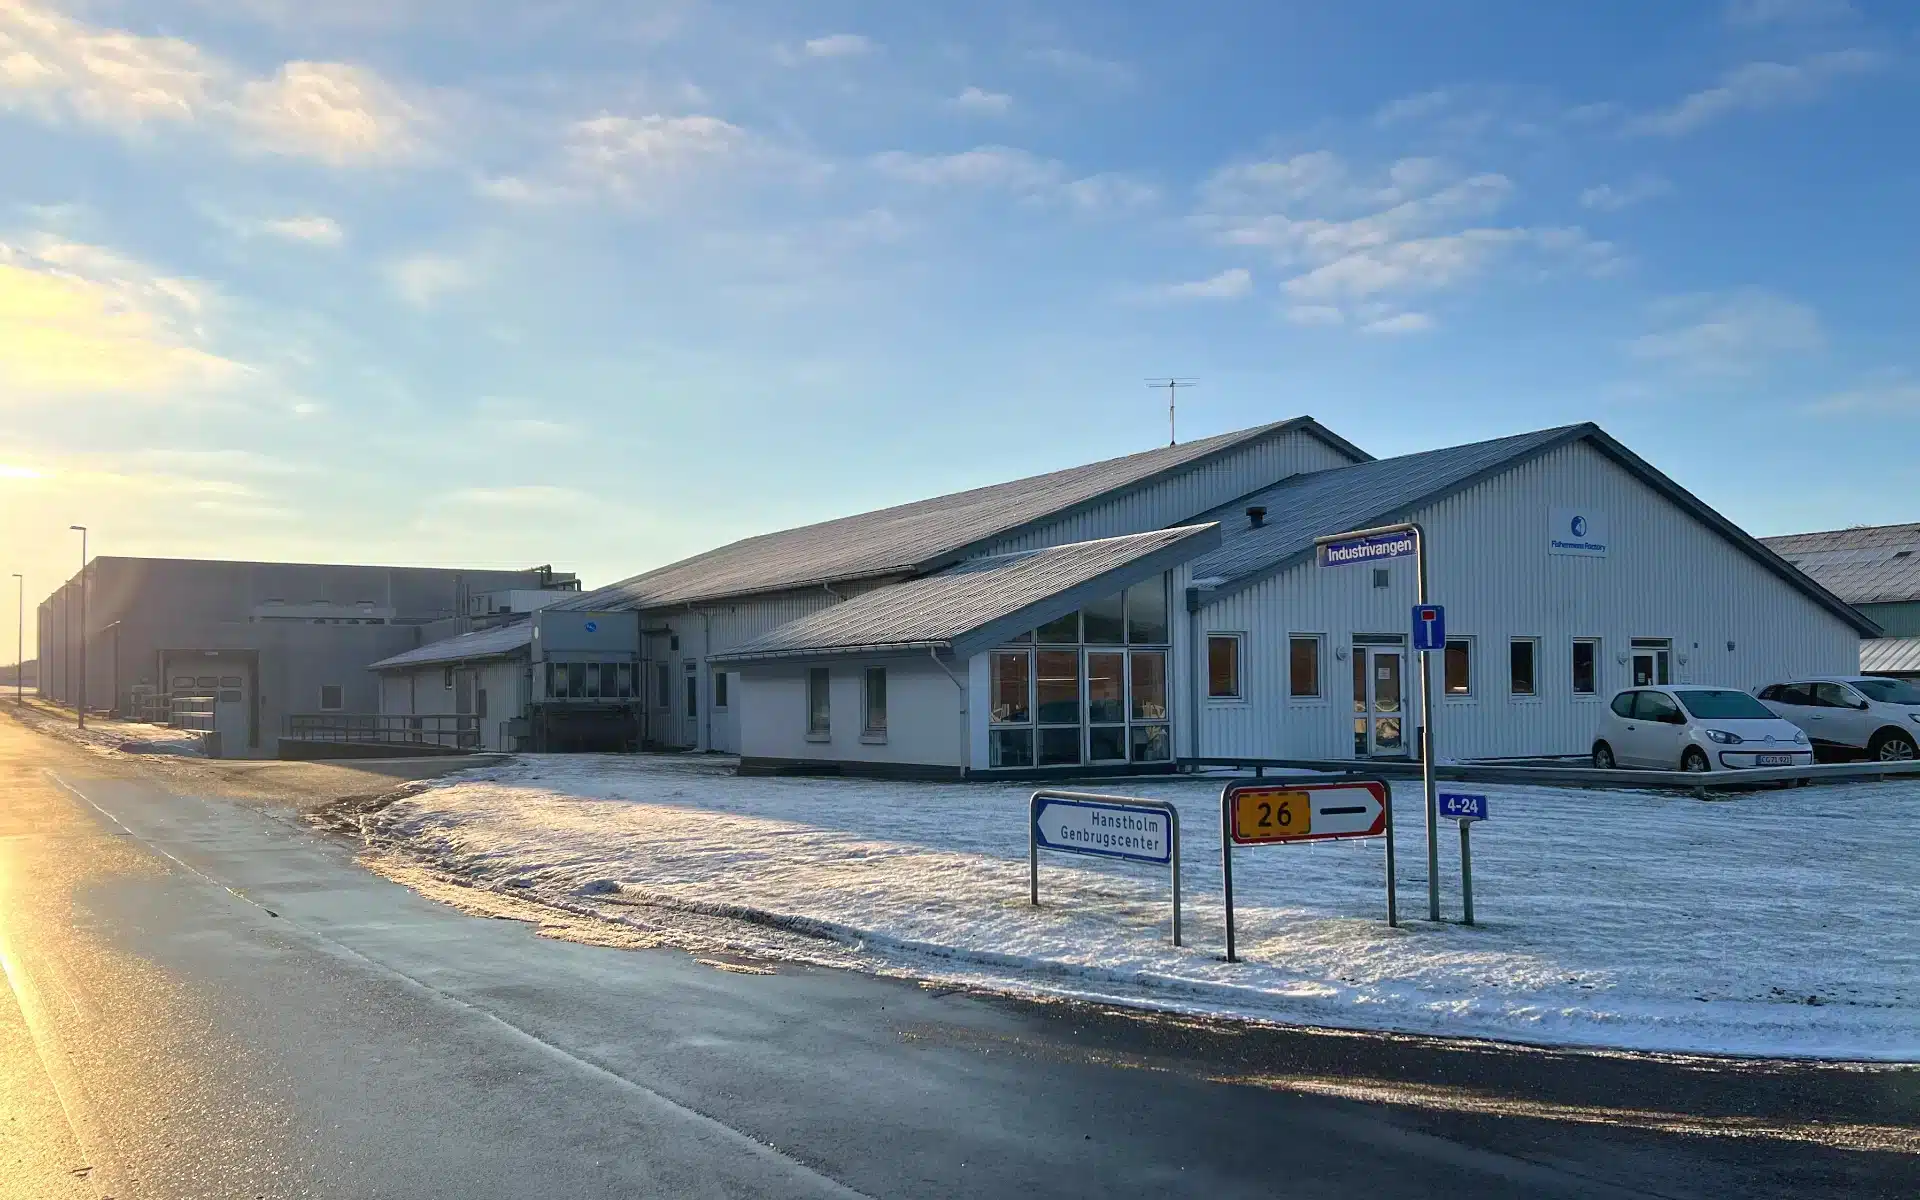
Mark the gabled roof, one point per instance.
(1890, 656)
(982, 601)
(923, 536)
(1304, 507)
(498, 642)
(1872, 564)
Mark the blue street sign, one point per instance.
(1463, 806)
(1429, 627)
(1364, 550)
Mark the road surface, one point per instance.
(206, 997)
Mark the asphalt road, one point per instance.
(207, 998)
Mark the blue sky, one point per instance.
(604, 284)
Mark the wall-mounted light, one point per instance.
(1729, 647)
(1621, 658)
(1340, 652)
(1683, 659)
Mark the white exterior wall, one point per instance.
(422, 692)
(1665, 576)
(923, 714)
(1186, 495)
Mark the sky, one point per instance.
(604, 284)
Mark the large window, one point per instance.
(875, 724)
(1303, 666)
(819, 705)
(1522, 654)
(1088, 687)
(1586, 666)
(1459, 667)
(720, 689)
(1223, 666)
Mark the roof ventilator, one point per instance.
(1256, 515)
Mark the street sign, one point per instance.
(1429, 627)
(1463, 806)
(1312, 811)
(1104, 829)
(1346, 552)
(1122, 827)
(1278, 812)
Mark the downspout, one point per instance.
(1193, 673)
(706, 653)
(966, 730)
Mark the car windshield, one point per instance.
(1888, 691)
(1724, 704)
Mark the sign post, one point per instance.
(1397, 541)
(1278, 812)
(1122, 827)
(1464, 808)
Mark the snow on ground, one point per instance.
(1769, 923)
(108, 736)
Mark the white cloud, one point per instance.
(1024, 174)
(1406, 322)
(1728, 334)
(1608, 198)
(320, 231)
(1314, 314)
(1409, 108)
(1231, 284)
(1756, 87)
(422, 279)
(839, 45)
(635, 159)
(1752, 13)
(1087, 68)
(1895, 393)
(63, 69)
(983, 103)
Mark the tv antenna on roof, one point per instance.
(1172, 385)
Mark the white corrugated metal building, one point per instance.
(1170, 605)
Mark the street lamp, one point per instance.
(82, 531)
(20, 646)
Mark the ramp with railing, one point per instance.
(378, 735)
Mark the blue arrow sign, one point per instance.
(1429, 627)
(1463, 806)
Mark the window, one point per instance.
(1458, 667)
(1652, 661)
(662, 686)
(1223, 666)
(1303, 666)
(182, 682)
(1059, 747)
(693, 691)
(332, 697)
(591, 671)
(1147, 613)
(1623, 704)
(719, 689)
(1057, 687)
(577, 680)
(1149, 685)
(1799, 695)
(1831, 695)
(446, 678)
(230, 681)
(1010, 748)
(1724, 704)
(1656, 706)
(1064, 630)
(673, 642)
(1586, 666)
(609, 681)
(1382, 577)
(480, 702)
(1012, 701)
(623, 681)
(1105, 621)
(819, 707)
(1106, 688)
(1520, 661)
(876, 706)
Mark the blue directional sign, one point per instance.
(1365, 550)
(1463, 806)
(1429, 627)
(1103, 830)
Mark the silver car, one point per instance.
(1852, 713)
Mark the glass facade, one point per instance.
(1089, 687)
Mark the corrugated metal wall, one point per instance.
(1186, 495)
(1665, 576)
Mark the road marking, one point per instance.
(727, 1133)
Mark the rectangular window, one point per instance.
(1012, 702)
(1223, 666)
(480, 702)
(1147, 613)
(577, 680)
(1059, 747)
(1149, 685)
(332, 697)
(1459, 667)
(556, 681)
(1106, 687)
(1303, 666)
(592, 671)
(609, 681)
(623, 681)
(1382, 577)
(719, 689)
(1010, 748)
(446, 678)
(876, 706)
(1065, 630)
(1104, 621)
(1057, 687)
(1106, 743)
(1586, 659)
(819, 707)
(1520, 659)
(693, 693)
(1151, 743)
(662, 686)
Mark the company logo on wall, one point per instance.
(592, 627)
(1577, 531)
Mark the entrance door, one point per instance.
(1652, 662)
(1379, 702)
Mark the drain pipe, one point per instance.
(706, 655)
(966, 741)
(1194, 667)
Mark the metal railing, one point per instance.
(454, 731)
(190, 712)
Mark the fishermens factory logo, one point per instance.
(1578, 532)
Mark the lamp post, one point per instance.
(82, 709)
(20, 646)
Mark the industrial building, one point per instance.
(1875, 568)
(258, 643)
(1170, 605)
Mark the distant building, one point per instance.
(1875, 568)
(261, 641)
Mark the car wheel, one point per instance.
(1892, 746)
(1603, 757)
(1695, 759)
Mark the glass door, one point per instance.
(1379, 701)
(1106, 706)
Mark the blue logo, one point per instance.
(1579, 527)
(593, 627)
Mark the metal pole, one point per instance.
(1427, 753)
(1173, 820)
(1466, 873)
(1033, 852)
(1393, 894)
(1226, 867)
(82, 707)
(20, 646)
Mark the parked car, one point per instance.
(1852, 713)
(1696, 729)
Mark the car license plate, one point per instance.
(1775, 760)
